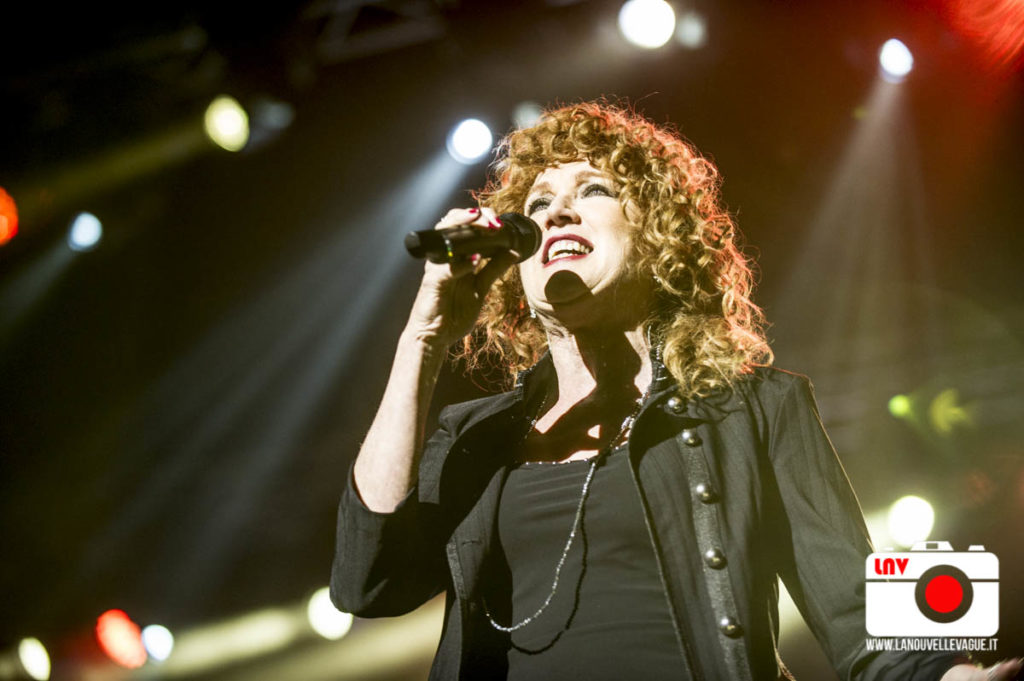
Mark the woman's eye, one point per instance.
(597, 189)
(537, 204)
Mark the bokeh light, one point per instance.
(647, 23)
(910, 520)
(226, 123)
(946, 413)
(692, 31)
(86, 231)
(34, 658)
(121, 639)
(896, 60)
(526, 114)
(900, 406)
(470, 141)
(159, 641)
(325, 619)
(8, 217)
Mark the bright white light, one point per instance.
(226, 123)
(325, 619)
(86, 231)
(34, 658)
(526, 114)
(910, 520)
(896, 60)
(647, 23)
(470, 141)
(692, 31)
(159, 641)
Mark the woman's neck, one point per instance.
(601, 364)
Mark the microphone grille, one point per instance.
(525, 233)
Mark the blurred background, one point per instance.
(202, 280)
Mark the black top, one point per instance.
(609, 618)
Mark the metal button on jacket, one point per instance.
(714, 558)
(730, 627)
(706, 493)
(676, 404)
(691, 438)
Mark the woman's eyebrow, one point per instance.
(543, 186)
(582, 177)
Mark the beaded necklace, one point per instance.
(624, 430)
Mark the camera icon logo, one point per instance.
(932, 590)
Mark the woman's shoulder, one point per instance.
(771, 385)
(774, 378)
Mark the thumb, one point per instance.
(494, 268)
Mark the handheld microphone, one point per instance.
(517, 233)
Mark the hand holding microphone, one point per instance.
(454, 285)
(449, 244)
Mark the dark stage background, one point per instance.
(180, 405)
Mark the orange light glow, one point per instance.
(121, 639)
(8, 217)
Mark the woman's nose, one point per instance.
(561, 212)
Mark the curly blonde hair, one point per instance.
(709, 329)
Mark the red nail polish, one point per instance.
(495, 223)
(474, 210)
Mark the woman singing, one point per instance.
(625, 511)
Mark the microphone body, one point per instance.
(517, 233)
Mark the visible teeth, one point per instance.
(567, 247)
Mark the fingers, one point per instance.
(482, 217)
(1004, 671)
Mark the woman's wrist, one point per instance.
(423, 344)
(420, 355)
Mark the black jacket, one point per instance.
(736, 491)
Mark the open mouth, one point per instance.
(565, 247)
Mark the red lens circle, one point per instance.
(944, 593)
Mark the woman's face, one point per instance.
(583, 258)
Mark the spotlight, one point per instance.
(910, 520)
(647, 23)
(325, 619)
(159, 641)
(226, 123)
(34, 658)
(86, 231)
(896, 60)
(470, 141)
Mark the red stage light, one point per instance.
(121, 639)
(8, 217)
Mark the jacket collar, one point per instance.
(714, 407)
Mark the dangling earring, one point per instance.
(533, 313)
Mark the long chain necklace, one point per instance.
(624, 430)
